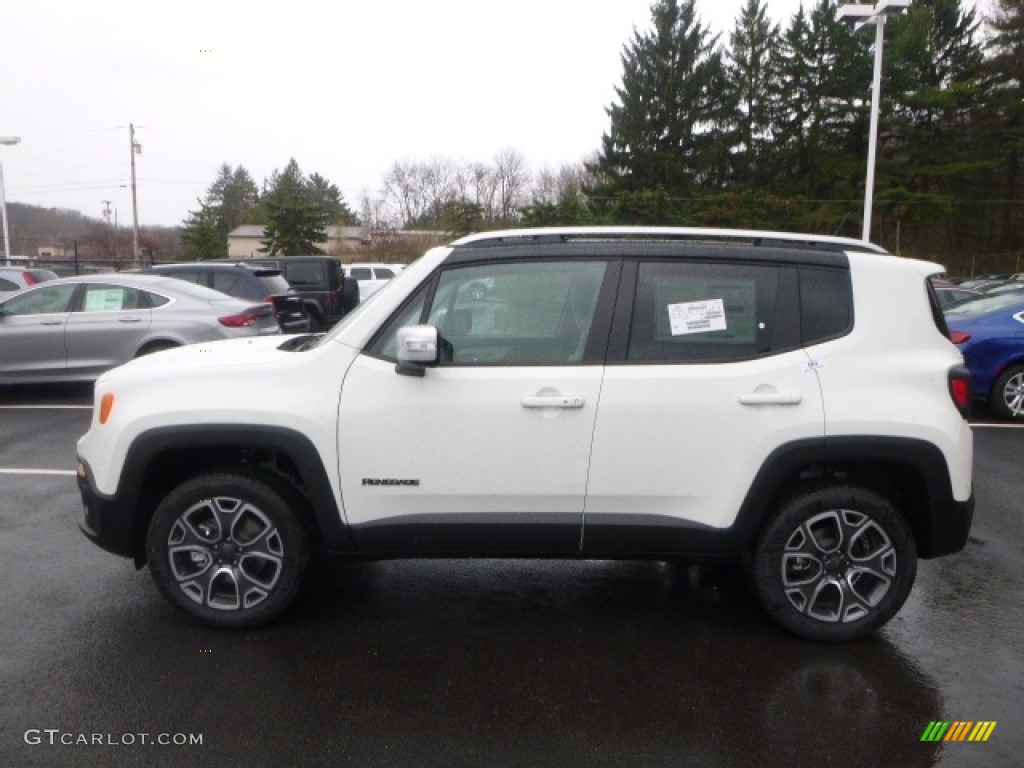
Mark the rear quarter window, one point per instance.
(304, 274)
(826, 304)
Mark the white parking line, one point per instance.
(60, 472)
(45, 407)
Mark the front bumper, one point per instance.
(105, 520)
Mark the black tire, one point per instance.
(1007, 399)
(228, 549)
(835, 563)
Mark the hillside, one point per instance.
(60, 231)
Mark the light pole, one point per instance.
(864, 15)
(136, 149)
(9, 141)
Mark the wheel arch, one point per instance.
(911, 474)
(160, 459)
(157, 345)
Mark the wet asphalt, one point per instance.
(488, 662)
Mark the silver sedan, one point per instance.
(75, 328)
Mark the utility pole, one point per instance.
(134, 150)
(106, 210)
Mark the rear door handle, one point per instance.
(771, 398)
(51, 322)
(556, 401)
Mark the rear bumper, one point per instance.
(950, 529)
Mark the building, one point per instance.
(245, 242)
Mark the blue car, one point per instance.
(990, 334)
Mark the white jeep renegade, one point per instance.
(788, 400)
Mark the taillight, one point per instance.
(959, 337)
(29, 280)
(335, 298)
(960, 389)
(243, 320)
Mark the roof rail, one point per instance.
(661, 234)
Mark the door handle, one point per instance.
(51, 322)
(129, 319)
(556, 401)
(771, 398)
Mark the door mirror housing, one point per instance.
(418, 347)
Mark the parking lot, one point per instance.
(486, 662)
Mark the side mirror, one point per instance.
(418, 347)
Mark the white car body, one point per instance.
(621, 450)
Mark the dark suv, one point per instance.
(321, 281)
(255, 283)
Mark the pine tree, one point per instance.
(295, 221)
(821, 125)
(233, 195)
(329, 198)
(201, 237)
(666, 129)
(930, 160)
(1004, 121)
(754, 87)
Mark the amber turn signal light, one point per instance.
(106, 406)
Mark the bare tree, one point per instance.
(512, 179)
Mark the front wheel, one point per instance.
(228, 550)
(1007, 398)
(835, 563)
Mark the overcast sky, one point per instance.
(346, 88)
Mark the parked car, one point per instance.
(371, 277)
(1009, 286)
(251, 283)
(75, 328)
(321, 281)
(981, 283)
(949, 295)
(15, 278)
(990, 334)
(620, 393)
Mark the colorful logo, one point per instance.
(958, 730)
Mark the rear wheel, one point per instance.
(1007, 398)
(835, 563)
(228, 550)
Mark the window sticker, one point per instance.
(104, 300)
(697, 317)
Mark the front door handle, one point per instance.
(556, 401)
(129, 319)
(51, 322)
(771, 398)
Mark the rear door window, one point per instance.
(688, 312)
